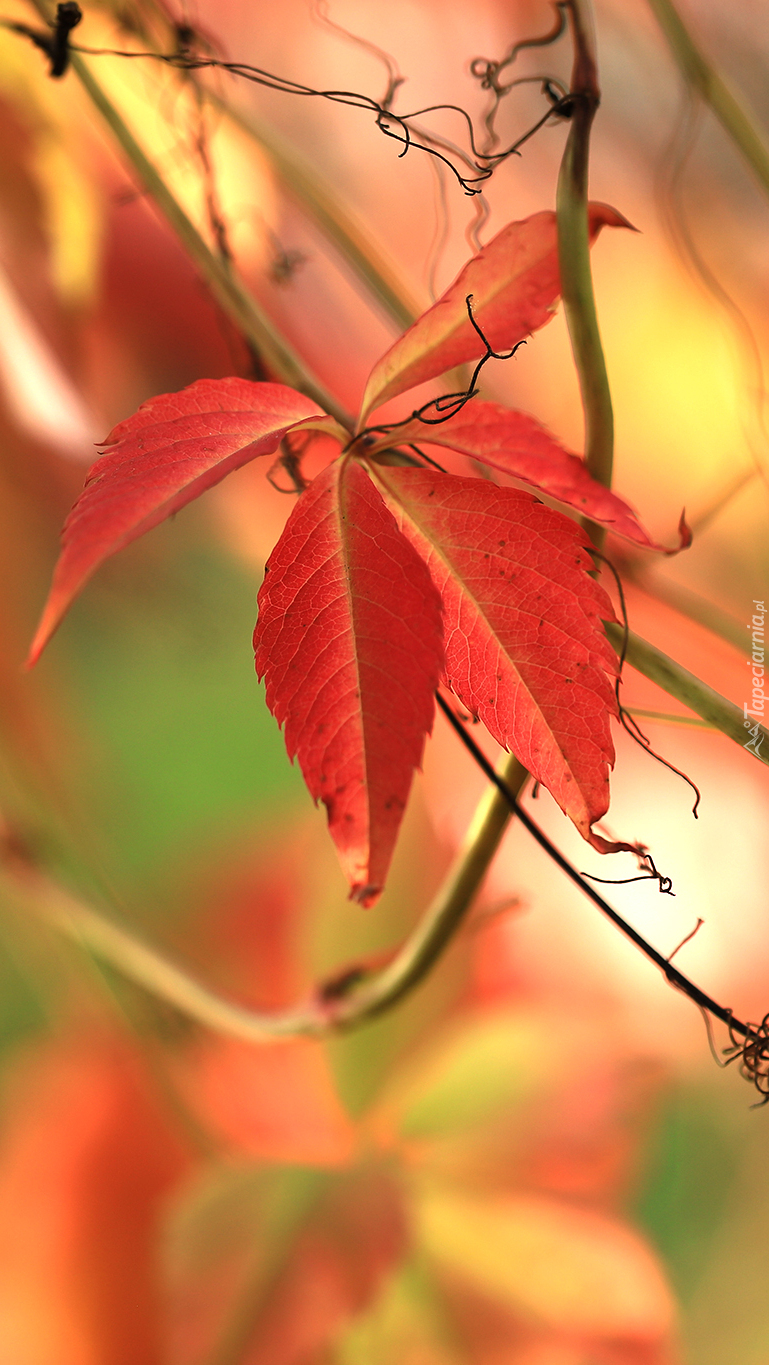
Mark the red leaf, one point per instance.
(171, 450)
(518, 445)
(349, 642)
(525, 649)
(276, 1102)
(514, 282)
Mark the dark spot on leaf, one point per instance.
(364, 895)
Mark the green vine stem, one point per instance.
(706, 703)
(712, 89)
(333, 1008)
(226, 287)
(574, 254)
(650, 579)
(358, 252)
(439, 924)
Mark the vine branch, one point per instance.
(350, 998)
(754, 1051)
(695, 69)
(357, 994)
(574, 254)
(229, 290)
(667, 673)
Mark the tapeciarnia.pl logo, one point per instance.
(754, 710)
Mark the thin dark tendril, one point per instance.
(753, 1056)
(628, 722)
(449, 404)
(427, 458)
(393, 125)
(688, 938)
(480, 163)
(749, 1042)
(289, 461)
(752, 1052)
(488, 71)
(650, 874)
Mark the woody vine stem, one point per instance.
(357, 994)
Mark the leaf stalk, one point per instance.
(326, 1012)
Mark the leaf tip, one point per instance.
(685, 537)
(603, 215)
(684, 533)
(602, 845)
(365, 894)
(48, 624)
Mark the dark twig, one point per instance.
(55, 44)
(753, 1051)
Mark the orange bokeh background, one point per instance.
(534, 1160)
